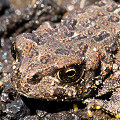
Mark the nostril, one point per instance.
(35, 78)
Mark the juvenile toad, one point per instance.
(75, 60)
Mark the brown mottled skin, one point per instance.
(73, 60)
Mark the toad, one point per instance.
(77, 59)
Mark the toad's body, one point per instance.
(70, 60)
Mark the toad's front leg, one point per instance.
(113, 105)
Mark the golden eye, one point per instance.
(13, 51)
(71, 73)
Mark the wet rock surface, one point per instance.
(14, 21)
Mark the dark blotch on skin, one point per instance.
(86, 24)
(79, 37)
(71, 24)
(28, 36)
(107, 60)
(36, 53)
(90, 32)
(100, 14)
(100, 4)
(101, 36)
(93, 18)
(112, 8)
(62, 51)
(112, 48)
(97, 27)
(51, 31)
(80, 53)
(45, 59)
(81, 10)
(83, 48)
(119, 13)
(39, 40)
(114, 19)
(69, 34)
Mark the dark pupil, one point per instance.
(70, 73)
(35, 77)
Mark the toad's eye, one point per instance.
(70, 74)
(14, 51)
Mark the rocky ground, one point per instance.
(16, 17)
